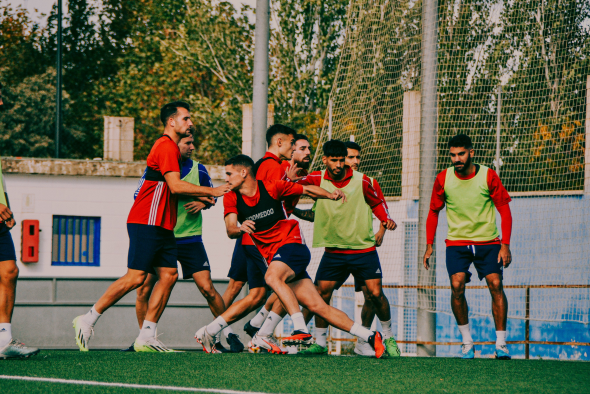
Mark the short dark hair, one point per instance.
(170, 109)
(243, 161)
(301, 137)
(335, 148)
(460, 141)
(352, 145)
(278, 129)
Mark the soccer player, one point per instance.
(151, 221)
(191, 251)
(9, 347)
(257, 206)
(346, 231)
(353, 160)
(471, 192)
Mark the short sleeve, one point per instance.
(314, 179)
(270, 170)
(168, 157)
(279, 190)
(230, 205)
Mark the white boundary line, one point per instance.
(126, 385)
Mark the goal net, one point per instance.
(514, 76)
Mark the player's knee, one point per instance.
(143, 294)
(272, 280)
(458, 289)
(10, 273)
(495, 285)
(208, 290)
(375, 296)
(257, 296)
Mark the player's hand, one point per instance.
(220, 190)
(427, 255)
(390, 225)
(379, 236)
(194, 207)
(505, 256)
(247, 227)
(337, 195)
(293, 171)
(5, 213)
(206, 200)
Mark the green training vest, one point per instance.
(346, 225)
(471, 213)
(2, 191)
(187, 224)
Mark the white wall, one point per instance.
(107, 197)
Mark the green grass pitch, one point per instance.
(293, 374)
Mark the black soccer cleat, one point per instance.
(235, 345)
(298, 337)
(250, 329)
(221, 348)
(129, 349)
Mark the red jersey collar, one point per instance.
(272, 156)
(349, 172)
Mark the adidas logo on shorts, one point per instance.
(278, 256)
(378, 271)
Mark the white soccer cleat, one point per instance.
(363, 348)
(268, 344)
(206, 340)
(84, 332)
(151, 345)
(15, 349)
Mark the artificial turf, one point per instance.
(294, 374)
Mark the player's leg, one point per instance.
(362, 348)
(320, 347)
(383, 311)
(263, 314)
(459, 259)
(9, 347)
(232, 290)
(309, 297)
(142, 296)
(486, 263)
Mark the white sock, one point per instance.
(226, 331)
(386, 327)
(466, 334)
(361, 340)
(269, 325)
(361, 332)
(5, 334)
(91, 317)
(500, 338)
(259, 318)
(216, 325)
(321, 336)
(148, 330)
(299, 322)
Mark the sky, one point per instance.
(44, 6)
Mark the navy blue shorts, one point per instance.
(192, 258)
(6, 245)
(296, 256)
(238, 269)
(149, 247)
(338, 267)
(483, 257)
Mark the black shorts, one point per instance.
(149, 247)
(238, 269)
(6, 245)
(483, 257)
(296, 256)
(338, 267)
(192, 258)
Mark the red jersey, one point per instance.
(498, 194)
(372, 199)
(270, 169)
(155, 205)
(283, 232)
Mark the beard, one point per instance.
(303, 164)
(465, 165)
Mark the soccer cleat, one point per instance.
(250, 329)
(298, 338)
(221, 348)
(502, 353)
(84, 332)
(377, 344)
(314, 350)
(128, 349)
(468, 351)
(15, 349)
(268, 344)
(151, 345)
(235, 345)
(362, 348)
(206, 340)
(391, 347)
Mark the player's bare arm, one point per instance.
(178, 186)
(427, 255)
(379, 235)
(194, 207)
(317, 192)
(505, 257)
(304, 214)
(233, 230)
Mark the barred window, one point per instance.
(76, 241)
